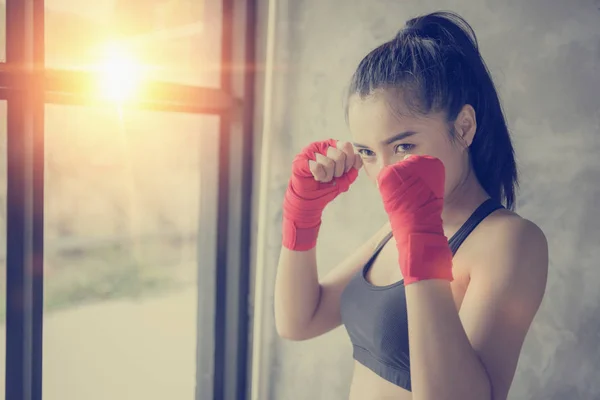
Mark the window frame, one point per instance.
(27, 86)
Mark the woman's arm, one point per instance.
(320, 172)
(472, 355)
(306, 306)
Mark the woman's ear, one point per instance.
(465, 125)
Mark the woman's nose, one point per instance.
(381, 164)
(385, 161)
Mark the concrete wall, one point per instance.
(545, 57)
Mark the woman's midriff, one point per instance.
(366, 385)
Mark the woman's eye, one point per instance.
(404, 148)
(366, 153)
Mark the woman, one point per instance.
(428, 318)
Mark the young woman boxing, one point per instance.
(428, 317)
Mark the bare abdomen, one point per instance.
(366, 385)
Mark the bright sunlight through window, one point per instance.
(120, 74)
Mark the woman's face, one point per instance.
(382, 137)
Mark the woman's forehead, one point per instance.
(378, 114)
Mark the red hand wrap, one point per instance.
(413, 196)
(306, 198)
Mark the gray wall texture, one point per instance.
(545, 59)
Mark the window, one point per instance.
(176, 40)
(121, 252)
(133, 157)
(3, 242)
(2, 32)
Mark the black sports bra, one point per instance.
(376, 316)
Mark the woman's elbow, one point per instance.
(287, 332)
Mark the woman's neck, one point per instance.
(461, 202)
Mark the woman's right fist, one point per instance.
(327, 166)
(320, 172)
(335, 162)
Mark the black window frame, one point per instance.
(26, 86)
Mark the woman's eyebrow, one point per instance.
(392, 139)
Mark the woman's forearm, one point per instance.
(443, 362)
(297, 292)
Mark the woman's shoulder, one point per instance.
(508, 225)
(509, 240)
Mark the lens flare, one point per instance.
(120, 74)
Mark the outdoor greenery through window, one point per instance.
(130, 190)
(121, 263)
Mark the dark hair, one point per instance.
(435, 64)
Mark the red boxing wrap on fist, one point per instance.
(413, 197)
(306, 198)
